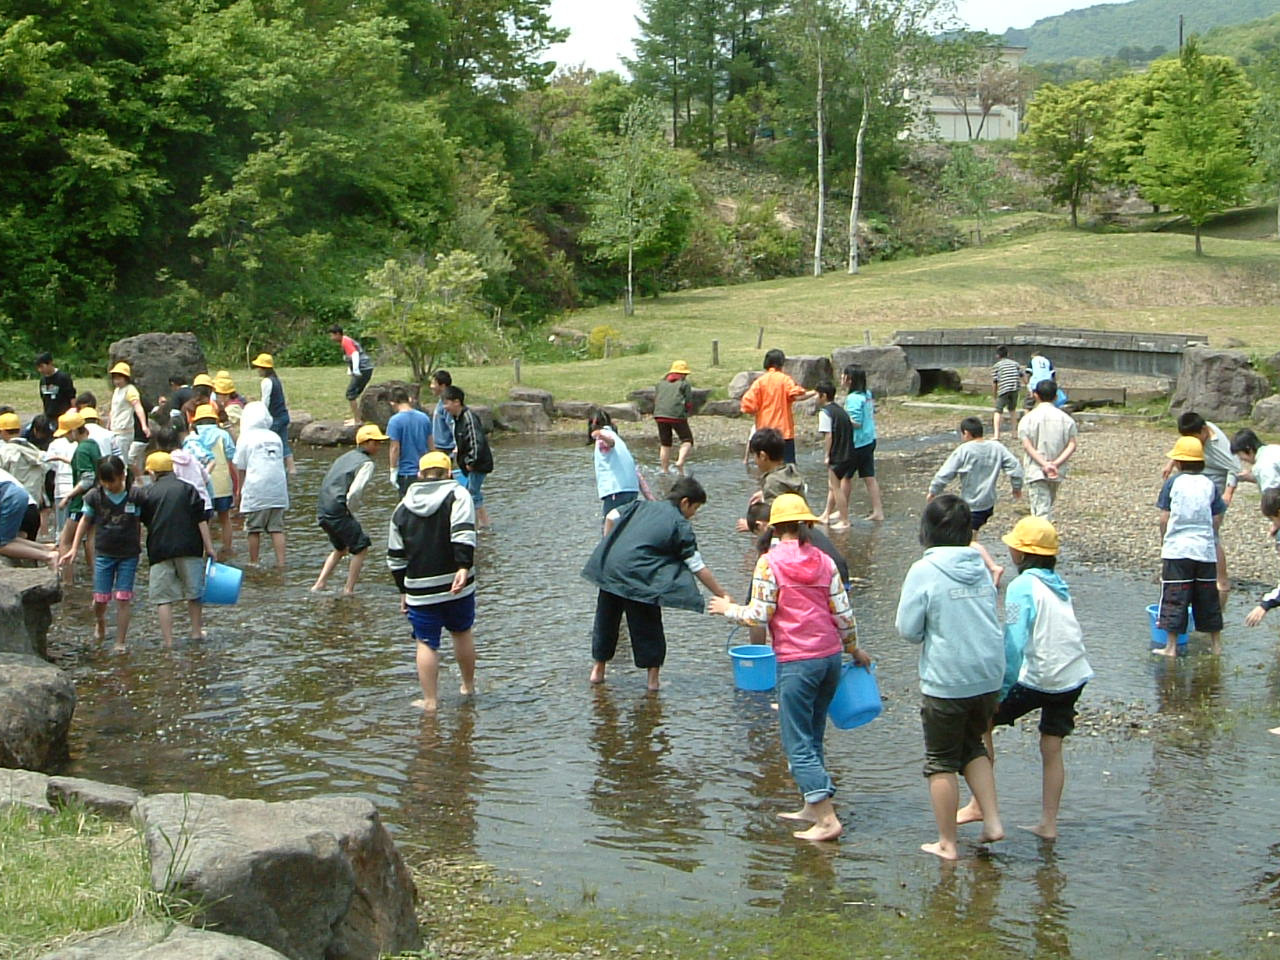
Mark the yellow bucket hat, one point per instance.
(790, 508)
(1033, 535)
(435, 460)
(123, 369)
(89, 413)
(10, 421)
(204, 411)
(263, 360)
(202, 380)
(159, 462)
(71, 420)
(369, 432)
(1187, 448)
(680, 366)
(222, 382)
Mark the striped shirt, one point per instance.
(1006, 375)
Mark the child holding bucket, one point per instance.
(1045, 665)
(798, 592)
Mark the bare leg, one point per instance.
(195, 611)
(482, 518)
(29, 550)
(1170, 648)
(830, 505)
(255, 542)
(826, 825)
(980, 776)
(225, 519)
(464, 650)
(277, 542)
(100, 618)
(682, 456)
(164, 613)
(664, 457)
(944, 797)
(124, 613)
(353, 573)
(289, 465)
(1215, 643)
(355, 411)
(326, 571)
(972, 811)
(64, 544)
(428, 676)
(840, 489)
(1054, 774)
(877, 506)
(653, 682)
(993, 568)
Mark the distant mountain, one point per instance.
(1103, 30)
(1247, 42)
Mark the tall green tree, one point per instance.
(1195, 156)
(1265, 131)
(971, 182)
(1065, 141)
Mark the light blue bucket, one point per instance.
(1159, 637)
(857, 699)
(754, 667)
(221, 583)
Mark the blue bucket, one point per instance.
(221, 583)
(857, 699)
(754, 667)
(1159, 637)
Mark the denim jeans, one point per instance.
(805, 689)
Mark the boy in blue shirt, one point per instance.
(410, 433)
(948, 606)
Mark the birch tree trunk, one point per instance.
(856, 202)
(822, 160)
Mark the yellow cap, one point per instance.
(123, 368)
(1187, 448)
(368, 432)
(790, 508)
(222, 382)
(263, 360)
(679, 366)
(435, 460)
(204, 411)
(202, 380)
(71, 420)
(159, 462)
(1033, 535)
(89, 413)
(10, 421)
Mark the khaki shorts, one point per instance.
(270, 520)
(171, 581)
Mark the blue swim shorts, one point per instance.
(452, 615)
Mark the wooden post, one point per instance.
(606, 348)
(760, 339)
(715, 353)
(517, 366)
(867, 336)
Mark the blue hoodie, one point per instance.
(948, 604)
(1043, 642)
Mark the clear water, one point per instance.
(663, 803)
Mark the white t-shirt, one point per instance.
(1192, 502)
(61, 447)
(260, 457)
(1266, 469)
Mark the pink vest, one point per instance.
(803, 627)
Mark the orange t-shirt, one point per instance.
(770, 399)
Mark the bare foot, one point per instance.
(1040, 830)
(318, 588)
(970, 813)
(874, 517)
(1165, 652)
(840, 525)
(466, 691)
(941, 850)
(653, 686)
(597, 673)
(100, 632)
(1275, 730)
(426, 706)
(992, 834)
(823, 518)
(823, 830)
(801, 815)
(348, 593)
(119, 648)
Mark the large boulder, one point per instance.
(808, 371)
(522, 417)
(316, 879)
(484, 415)
(644, 399)
(375, 402)
(155, 357)
(742, 381)
(625, 412)
(699, 396)
(299, 420)
(27, 596)
(889, 374)
(25, 788)
(108, 799)
(1218, 384)
(36, 703)
(721, 408)
(574, 409)
(534, 395)
(1266, 414)
(328, 433)
(163, 941)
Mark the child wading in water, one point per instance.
(1045, 665)
(798, 592)
(862, 413)
(647, 559)
(617, 479)
(948, 606)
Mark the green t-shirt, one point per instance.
(83, 463)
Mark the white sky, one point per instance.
(601, 30)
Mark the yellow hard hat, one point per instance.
(369, 431)
(263, 360)
(71, 420)
(1187, 448)
(435, 460)
(790, 508)
(202, 380)
(159, 462)
(204, 411)
(1033, 535)
(122, 368)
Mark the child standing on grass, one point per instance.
(177, 543)
(264, 494)
(837, 446)
(948, 606)
(1045, 665)
(431, 548)
(862, 414)
(672, 404)
(647, 559)
(340, 493)
(115, 512)
(1190, 513)
(798, 592)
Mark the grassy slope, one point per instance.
(1139, 282)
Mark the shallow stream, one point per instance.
(657, 804)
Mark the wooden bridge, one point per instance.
(1147, 354)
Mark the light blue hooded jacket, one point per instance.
(948, 605)
(1043, 642)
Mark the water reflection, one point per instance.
(443, 784)
(1050, 934)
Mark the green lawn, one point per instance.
(1140, 282)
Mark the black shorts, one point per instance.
(978, 518)
(1057, 710)
(1186, 583)
(680, 427)
(31, 523)
(845, 468)
(357, 383)
(345, 533)
(862, 462)
(953, 731)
